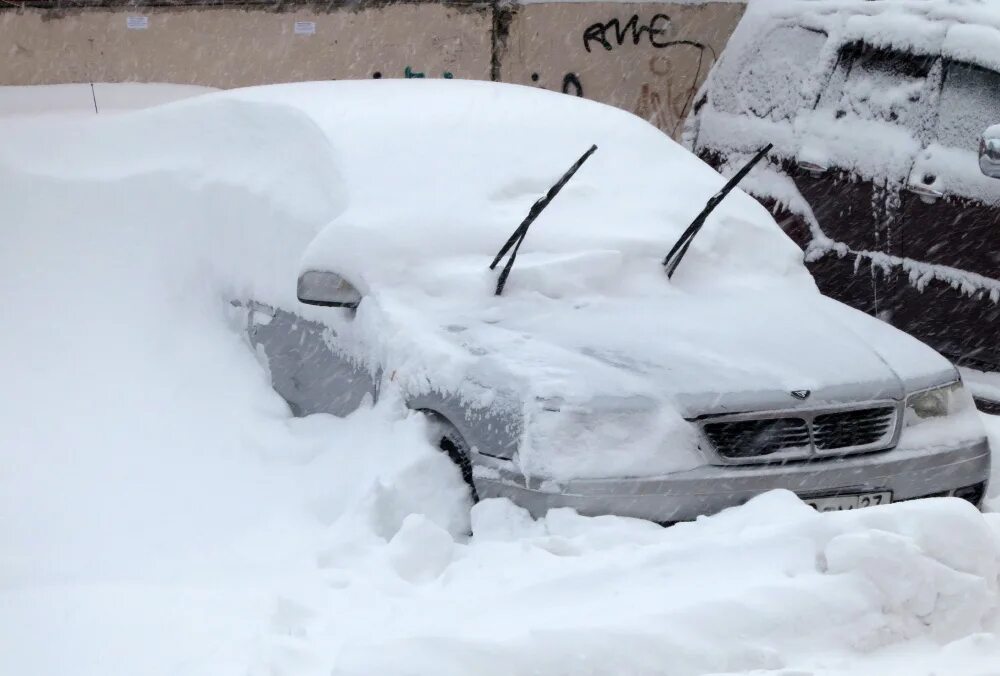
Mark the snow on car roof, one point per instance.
(462, 162)
(966, 11)
(963, 29)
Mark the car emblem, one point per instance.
(801, 394)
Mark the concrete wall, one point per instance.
(234, 47)
(648, 58)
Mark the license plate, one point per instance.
(836, 503)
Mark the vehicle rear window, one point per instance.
(772, 83)
(882, 85)
(970, 102)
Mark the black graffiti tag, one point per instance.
(572, 85)
(613, 31)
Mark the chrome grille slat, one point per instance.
(801, 435)
(750, 438)
(834, 431)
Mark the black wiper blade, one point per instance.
(673, 258)
(536, 208)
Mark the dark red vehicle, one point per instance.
(876, 111)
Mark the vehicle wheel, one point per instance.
(451, 442)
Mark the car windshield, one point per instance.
(970, 102)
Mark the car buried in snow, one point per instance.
(645, 355)
(876, 110)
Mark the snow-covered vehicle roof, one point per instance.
(461, 162)
(967, 30)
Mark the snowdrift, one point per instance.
(162, 513)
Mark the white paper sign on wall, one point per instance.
(137, 23)
(305, 27)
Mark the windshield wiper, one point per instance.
(673, 258)
(536, 208)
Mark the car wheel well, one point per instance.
(450, 440)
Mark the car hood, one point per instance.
(711, 354)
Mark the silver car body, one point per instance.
(316, 374)
(594, 381)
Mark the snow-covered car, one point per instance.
(876, 110)
(594, 380)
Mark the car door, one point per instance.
(306, 366)
(949, 217)
(856, 150)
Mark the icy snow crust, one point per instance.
(162, 513)
(967, 31)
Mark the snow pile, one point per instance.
(769, 586)
(162, 512)
(155, 485)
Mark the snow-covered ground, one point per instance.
(162, 513)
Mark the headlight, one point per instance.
(606, 436)
(936, 402)
(604, 421)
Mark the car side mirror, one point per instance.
(319, 287)
(989, 152)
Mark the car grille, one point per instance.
(851, 428)
(815, 433)
(751, 438)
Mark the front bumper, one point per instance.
(683, 496)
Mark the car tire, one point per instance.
(449, 440)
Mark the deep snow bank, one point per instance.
(127, 394)
(161, 512)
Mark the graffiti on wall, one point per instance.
(609, 33)
(641, 61)
(409, 73)
(571, 85)
(629, 56)
(676, 67)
